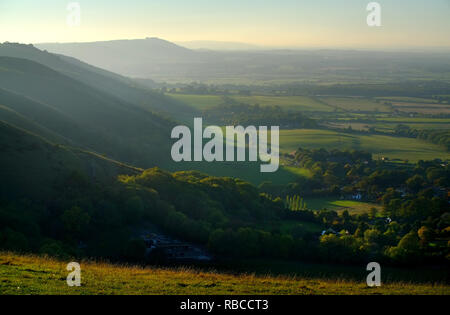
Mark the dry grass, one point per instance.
(27, 274)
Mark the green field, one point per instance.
(37, 275)
(387, 124)
(299, 171)
(248, 171)
(353, 207)
(407, 99)
(289, 103)
(355, 104)
(409, 149)
(391, 147)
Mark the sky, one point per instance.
(280, 23)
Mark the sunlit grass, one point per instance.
(352, 206)
(38, 275)
(379, 145)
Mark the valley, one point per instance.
(86, 162)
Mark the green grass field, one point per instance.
(299, 171)
(289, 103)
(379, 145)
(407, 99)
(355, 104)
(353, 207)
(409, 149)
(37, 275)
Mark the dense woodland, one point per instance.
(230, 217)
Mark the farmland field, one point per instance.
(353, 207)
(298, 171)
(407, 99)
(356, 104)
(379, 145)
(387, 124)
(406, 149)
(289, 103)
(346, 109)
(295, 103)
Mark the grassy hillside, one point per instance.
(108, 82)
(42, 119)
(89, 117)
(31, 164)
(37, 275)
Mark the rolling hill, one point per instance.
(108, 82)
(127, 56)
(81, 114)
(70, 111)
(161, 60)
(42, 119)
(31, 165)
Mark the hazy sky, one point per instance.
(303, 23)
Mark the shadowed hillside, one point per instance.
(31, 165)
(106, 81)
(87, 116)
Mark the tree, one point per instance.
(407, 249)
(135, 250)
(53, 248)
(75, 221)
(425, 235)
(135, 209)
(415, 183)
(13, 240)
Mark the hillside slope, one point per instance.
(30, 165)
(126, 56)
(41, 119)
(111, 83)
(85, 115)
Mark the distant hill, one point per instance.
(218, 45)
(125, 56)
(37, 97)
(160, 60)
